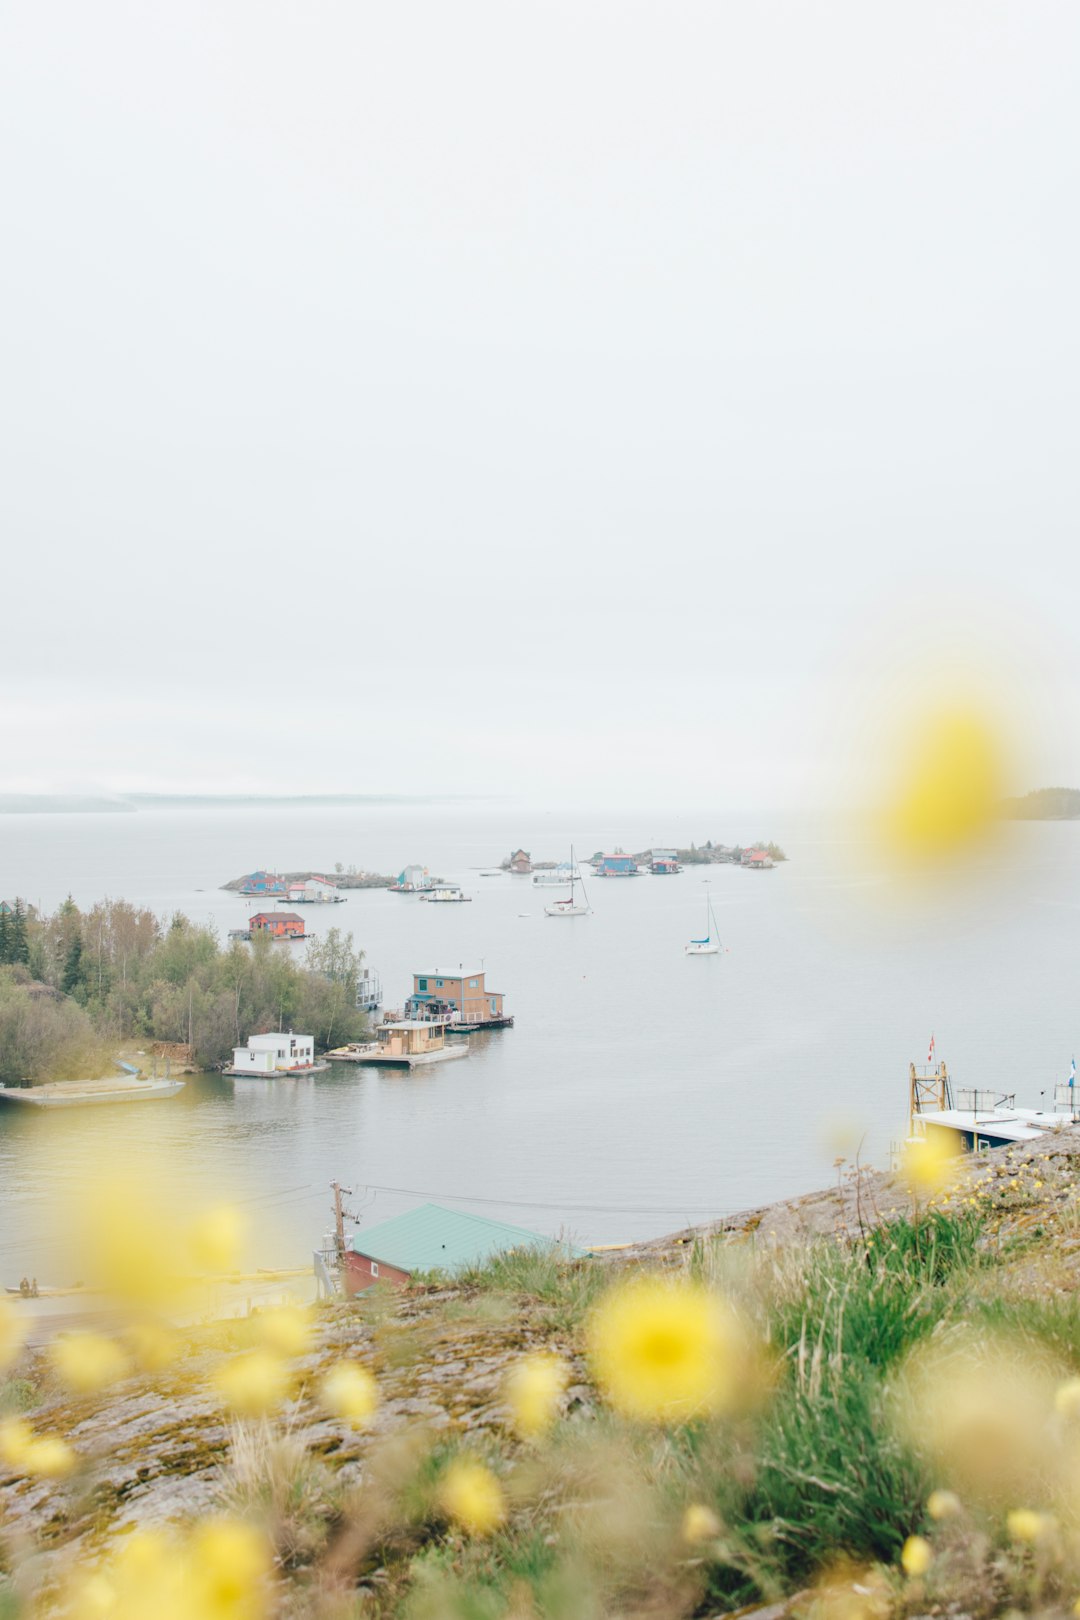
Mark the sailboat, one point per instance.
(709, 946)
(570, 907)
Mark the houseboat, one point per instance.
(757, 860)
(262, 883)
(278, 924)
(413, 880)
(275, 1054)
(461, 999)
(976, 1120)
(615, 866)
(128, 1086)
(663, 862)
(314, 891)
(407, 1043)
(446, 894)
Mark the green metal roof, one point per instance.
(431, 1238)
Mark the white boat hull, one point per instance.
(566, 910)
(702, 950)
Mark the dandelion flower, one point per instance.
(1023, 1524)
(952, 783)
(216, 1239)
(666, 1351)
(229, 1565)
(916, 1556)
(471, 1495)
(48, 1457)
(12, 1333)
(87, 1362)
(927, 1161)
(699, 1524)
(254, 1384)
(533, 1389)
(1067, 1398)
(349, 1391)
(152, 1345)
(285, 1329)
(943, 1505)
(16, 1436)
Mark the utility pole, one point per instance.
(339, 1218)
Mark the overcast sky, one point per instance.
(577, 400)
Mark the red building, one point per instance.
(281, 924)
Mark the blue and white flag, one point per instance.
(1072, 1073)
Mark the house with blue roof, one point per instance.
(432, 1238)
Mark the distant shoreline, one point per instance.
(128, 803)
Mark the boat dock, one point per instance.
(407, 1043)
(78, 1093)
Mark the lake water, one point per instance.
(640, 1089)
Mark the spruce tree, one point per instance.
(5, 937)
(72, 977)
(19, 949)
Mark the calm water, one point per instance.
(639, 1089)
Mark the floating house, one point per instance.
(262, 883)
(758, 860)
(447, 894)
(462, 999)
(404, 1043)
(616, 866)
(313, 891)
(664, 862)
(275, 1053)
(521, 862)
(979, 1120)
(413, 880)
(432, 1238)
(279, 924)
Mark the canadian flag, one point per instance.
(930, 1054)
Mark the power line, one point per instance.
(535, 1203)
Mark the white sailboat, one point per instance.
(571, 907)
(710, 945)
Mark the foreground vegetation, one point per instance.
(882, 1423)
(76, 986)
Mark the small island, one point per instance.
(1044, 804)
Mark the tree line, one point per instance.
(75, 986)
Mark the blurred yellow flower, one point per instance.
(216, 1239)
(667, 1350)
(219, 1571)
(49, 1457)
(943, 1505)
(1067, 1398)
(927, 1160)
(1023, 1524)
(253, 1384)
(699, 1524)
(87, 1362)
(951, 782)
(470, 1494)
(229, 1564)
(349, 1391)
(15, 1436)
(12, 1334)
(916, 1556)
(152, 1344)
(533, 1388)
(287, 1329)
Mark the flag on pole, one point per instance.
(930, 1054)
(1072, 1073)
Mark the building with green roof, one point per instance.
(432, 1238)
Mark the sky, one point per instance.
(588, 402)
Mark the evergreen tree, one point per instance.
(5, 938)
(72, 976)
(19, 948)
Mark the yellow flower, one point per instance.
(1067, 1398)
(12, 1334)
(943, 1505)
(927, 1160)
(87, 1361)
(49, 1457)
(951, 780)
(229, 1564)
(16, 1436)
(916, 1556)
(1025, 1525)
(667, 1350)
(285, 1329)
(254, 1384)
(349, 1391)
(152, 1344)
(471, 1495)
(699, 1524)
(533, 1389)
(216, 1239)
